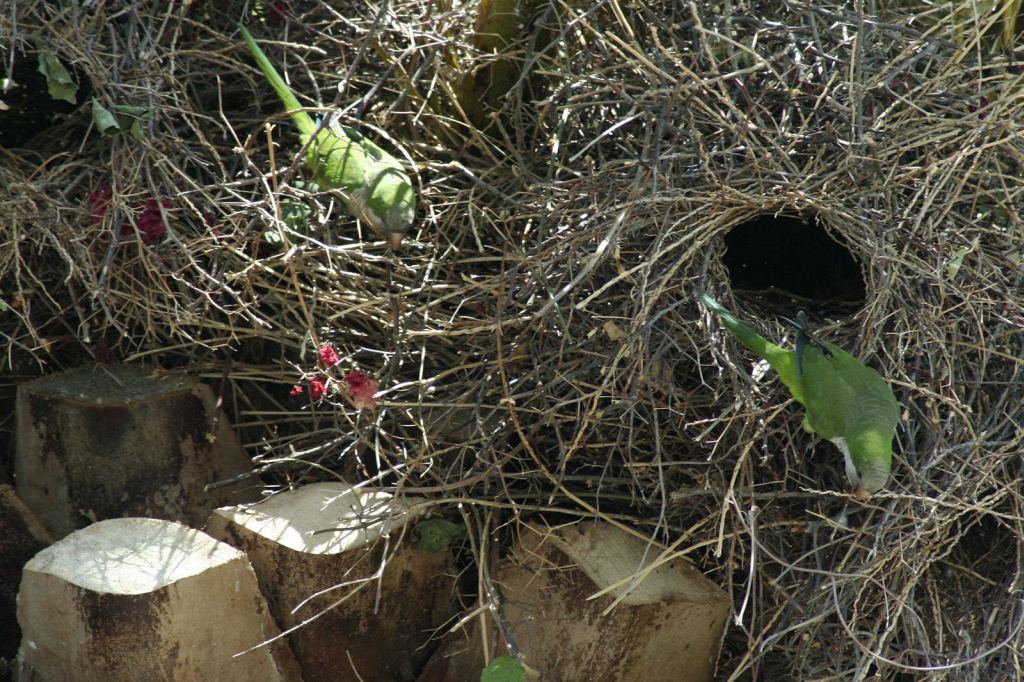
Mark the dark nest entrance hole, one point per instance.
(791, 255)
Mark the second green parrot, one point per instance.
(846, 402)
(376, 188)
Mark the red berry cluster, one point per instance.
(149, 220)
(361, 388)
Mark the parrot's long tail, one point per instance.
(302, 120)
(747, 336)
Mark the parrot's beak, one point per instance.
(861, 494)
(394, 240)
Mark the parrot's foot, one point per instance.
(861, 494)
(394, 240)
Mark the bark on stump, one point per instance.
(112, 441)
(667, 626)
(144, 599)
(21, 536)
(377, 628)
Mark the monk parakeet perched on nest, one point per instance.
(846, 402)
(375, 186)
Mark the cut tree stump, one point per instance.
(145, 599)
(380, 627)
(21, 536)
(667, 626)
(111, 441)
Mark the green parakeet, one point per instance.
(846, 402)
(376, 188)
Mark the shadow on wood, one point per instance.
(143, 599)
(111, 441)
(320, 549)
(667, 624)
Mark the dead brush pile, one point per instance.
(536, 341)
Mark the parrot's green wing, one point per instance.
(376, 187)
(851, 405)
(782, 361)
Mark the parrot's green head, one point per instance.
(393, 201)
(868, 456)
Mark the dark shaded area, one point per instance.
(789, 253)
(30, 110)
(18, 544)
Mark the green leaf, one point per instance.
(123, 118)
(129, 110)
(58, 80)
(437, 534)
(104, 120)
(136, 129)
(309, 186)
(296, 214)
(957, 258)
(504, 669)
(131, 117)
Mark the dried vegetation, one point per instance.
(536, 339)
